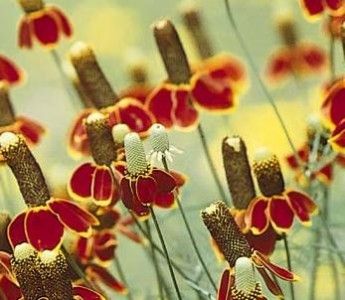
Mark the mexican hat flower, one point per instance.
(9, 71)
(96, 86)
(45, 24)
(277, 207)
(44, 222)
(94, 180)
(40, 275)
(315, 8)
(234, 246)
(143, 185)
(294, 58)
(31, 130)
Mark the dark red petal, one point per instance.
(45, 28)
(313, 58)
(312, 7)
(103, 187)
(101, 274)
(24, 33)
(105, 244)
(130, 233)
(9, 289)
(279, 65)
(80, 184)
(165, 200)
(30, 129)
(16, 230)
(160, 103)
(271, 283)
(5, 263)
(83, 249)
(280, 214)
(73, 217)
(9, 72)
(185, 116)
(126, 193)
(65, 24)
(165, 182)
(336, 6)
(265, 242)
(302, 206)
(302, 153)
(43, 229)
(337, 139)
(146, 189)
(224, 287)
(179, 177)
(86, 294)
(256, 216)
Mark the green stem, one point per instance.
(166, 253)
(288, 259)
(122, 276)
(331, 56)
(190, 233)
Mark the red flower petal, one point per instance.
(5, 263)
(65, 25)
(302, 153)
(336, 6)
(45, 28)
(102, 275)
(43, 229)
(337, 139)
(312, 7)
(312, 57)
(256, 216)
(80, 184)
(73, 217)
(16, 230)
(9, 72)
(30, 129)
(279, 65)
(185, 116)
(103, 188)
(180, 178)
(165, 182)
(83, 249)
(24, 33)
(265, 242)
(146, 189)
(271, 283)
(126, 193)
(86, 294)
(105, 244)
(224, 287)
(280, 214)
(9, 289)
(165, 200)
(128, 232)
(302, 206)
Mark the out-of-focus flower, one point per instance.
(334, 25)
(233, 245)
(276, 207)
(295, 58)
(9, 71)
(42, 23)
(43, 223)
(315, 8)
(5, 220)
(337, 139)
(126, 110)
(31, 130)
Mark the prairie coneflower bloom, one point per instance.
(296, 57)
(31, 130)
(40, 275)
(9, 71)
(315, 8)
(233, 245)
(126, 110)
(277, 207)
(43, 223)
(42, 23)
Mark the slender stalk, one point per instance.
(155, 261)
(122, 276)
(288, 259)
(166, 253)
(331, 56)
(315, 265)
(190, 233)
(261, 83)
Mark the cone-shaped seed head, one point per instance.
(31, 5)
(119, 132)
(25, 168)
(91, 76)
(238, 172)
(244, 275)
(135, 154)
(225, 232)
(7, 116)
(159, 138)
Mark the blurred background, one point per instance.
(120, 32)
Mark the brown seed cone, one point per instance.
(238, 172)
(24, 262)
(225, 232)
(193, 22)
(5, 220)
(101, 140)
(30, 6)
(82, 93)
(56, 279)
(287, 30)
(172, 52)
(269, 176)
(7, 116)
(25, 168)
(138, 73)
(91, 76)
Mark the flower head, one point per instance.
(315, 8)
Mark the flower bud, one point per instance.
(30, 6)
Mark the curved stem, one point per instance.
(190, 233)
(122, 276)
(262, 84)
(288, 259)
(161, 238)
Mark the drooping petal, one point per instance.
(64, 24)
(104, 246)
(83, 249)
(335, 7)
(270, 283)
(165, 200)
(303, 154)
(146, 189)
(80, 183)
(185, 116)
(325, 175)
(337, 139)
(16, 230)
(179, 177)
(302, 206)
(101, 274)
(280, 214)
(30, 129)
(84, 293)
(130, 233)
(5, 263)
(43, 229)
(224, 287)
(73, 217)
(279, 65)
(313, 58)
(103, 186)
(24, 33)
(265, 242)
(126, 193)
(256, 216)
(312, 7)
(45, 28)
(165, 182)
(9, 289)
(9, 71)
